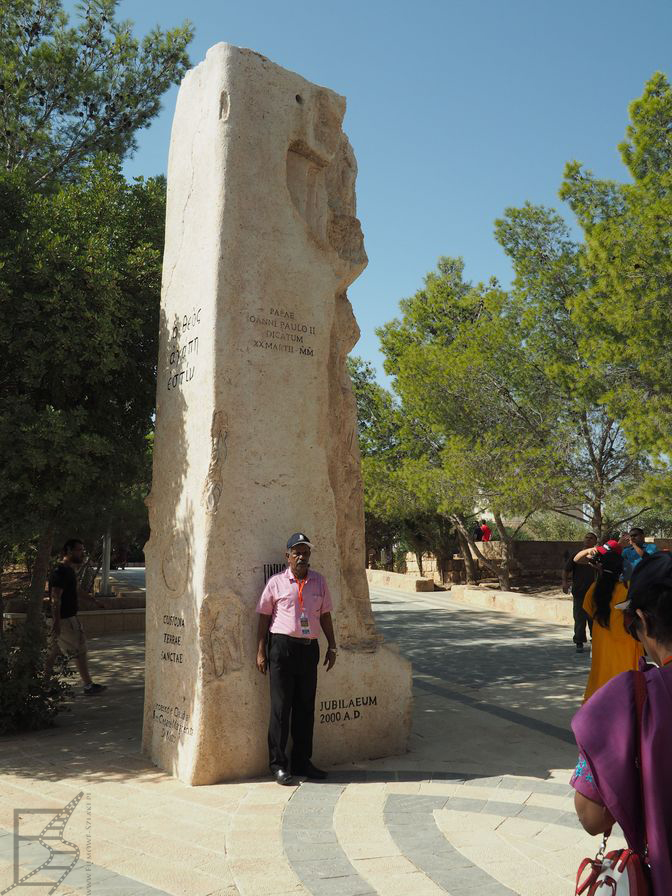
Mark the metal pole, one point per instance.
(107, 555)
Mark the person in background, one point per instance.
(486, 532)
(582, 577)
(614, 651)
(607, 777)
(67, 634)
(477, 533)
(633, 550)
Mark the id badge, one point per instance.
(305, 625)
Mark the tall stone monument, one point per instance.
(256, 423)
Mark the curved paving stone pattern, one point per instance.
(479, 804)
(312, 847)
(322, 864)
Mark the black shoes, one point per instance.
(282, 776)
(91, 689)
(579, 647)
(309, 771)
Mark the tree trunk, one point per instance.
(39, 575)
(441, 565)
(597, 520)
(504, 573)
(464, 532)
(469, 565)
(418, 558)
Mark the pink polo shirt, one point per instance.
(280, 599)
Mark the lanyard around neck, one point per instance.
(667, 661)
(302, 584)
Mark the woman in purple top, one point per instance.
(606, 780)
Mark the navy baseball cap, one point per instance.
(298, 538)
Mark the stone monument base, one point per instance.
(363, 707)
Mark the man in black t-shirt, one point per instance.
(67, 634)
(583, 577)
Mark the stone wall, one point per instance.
(534, 558)
(384, 579)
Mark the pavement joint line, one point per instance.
(501, 712)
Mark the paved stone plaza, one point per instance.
(479, 805)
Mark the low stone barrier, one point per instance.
(385, 579)
(98, 622)
(549, 609)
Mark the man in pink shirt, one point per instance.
(293, 607)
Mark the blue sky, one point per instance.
(456, 110)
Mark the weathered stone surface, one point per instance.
(255, 434)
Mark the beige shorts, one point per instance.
(71, 640)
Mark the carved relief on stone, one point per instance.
(327, 114)
(175, 564)
(354, 619)
(307, 187)
(321, 174)
(212, 490)
(221, 633)
(323, 193)
(224, 106)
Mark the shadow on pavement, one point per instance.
(480, 677)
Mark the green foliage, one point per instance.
(594, 462)
(28, 699)
(400, 507)
(483, 418)
(550, 402)
(80, 272)
(378, 418)
(625, 311)
(551, 526)
(69, 92)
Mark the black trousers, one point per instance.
(293, 673)
(581, 619)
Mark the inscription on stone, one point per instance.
(170, 654)
(183, 349)
(346, 710)
(280, 331)
(172, 721)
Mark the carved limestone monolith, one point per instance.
(256, 423)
